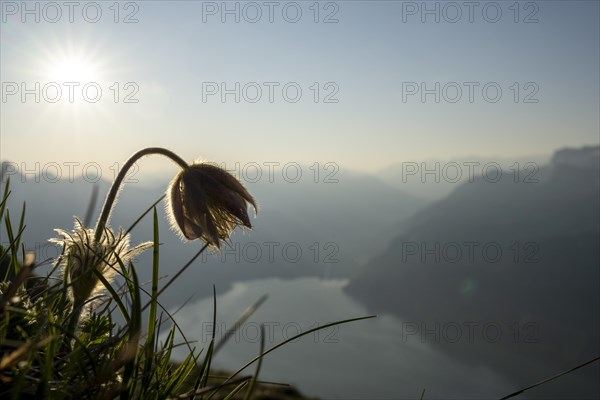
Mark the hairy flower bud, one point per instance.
(82, 256)
(206, 202)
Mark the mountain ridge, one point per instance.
(548, 235)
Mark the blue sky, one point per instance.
(371, 61)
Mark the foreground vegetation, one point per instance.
(59, 338)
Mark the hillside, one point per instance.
(520, 260)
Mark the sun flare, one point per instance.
(72, 70)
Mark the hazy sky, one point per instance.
(369, 73)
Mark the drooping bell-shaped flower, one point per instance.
(207, 202)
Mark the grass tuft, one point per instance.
(42, 355)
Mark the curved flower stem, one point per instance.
(74, 320)
(116, 186)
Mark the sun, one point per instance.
(72, 70)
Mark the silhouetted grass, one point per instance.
(47, 352)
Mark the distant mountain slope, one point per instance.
(521, 259)
(434, 179)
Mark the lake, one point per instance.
(368, 359)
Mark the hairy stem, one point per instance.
(74, 319)
(118, 183)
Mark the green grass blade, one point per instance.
(296, 337)
(258, 366)
(182, 269)
(245, 315)
(209, 353)
(144, 214)
(5, 197)
(151, 338)
(135, 326)
(114, 294)
(518, 392)
(236, 390)
(158, 303)
(179, 375)
(22, 220)
(13, 242)
(178, 273)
